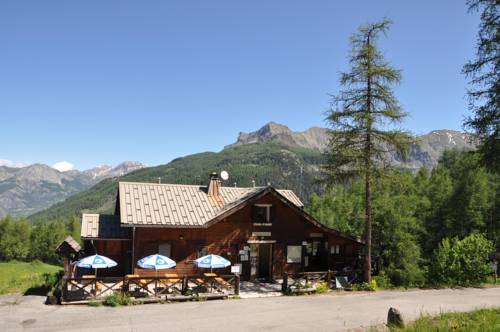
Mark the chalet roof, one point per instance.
(181, 205)
(95, 226)
(68, 246)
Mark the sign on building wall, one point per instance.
(261, 233)
(236, 269)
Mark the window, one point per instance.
(165, 249)
(294, 254)
(335, 249)
(262, 213)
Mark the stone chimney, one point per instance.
(214, 189)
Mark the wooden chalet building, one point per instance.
(264, 229)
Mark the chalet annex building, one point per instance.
(264, 229)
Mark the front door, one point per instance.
(265, 261)
(315, 254)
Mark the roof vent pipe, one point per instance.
(253, 183)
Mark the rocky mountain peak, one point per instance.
(312, 138)
(425, 152)
(272, 129)
(106, 171)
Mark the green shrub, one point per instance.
(322, 287)
(383, 281)
(461, 262)
(117, 299)
(364, 286)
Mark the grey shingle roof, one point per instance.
(180, 205)
(95, 226)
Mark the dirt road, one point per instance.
(330, 312)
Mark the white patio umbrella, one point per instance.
(96, 262)
(156, 262)
(212, 262)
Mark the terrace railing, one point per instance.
(305, 281)
(90, 287)
(215, 284)
(139, 286)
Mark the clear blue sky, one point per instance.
(95, 82)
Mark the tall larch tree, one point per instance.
(361, 121)
(484, 75)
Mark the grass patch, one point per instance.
(95, 303)
(480, 320)
(27, 278)
(117, 299)
(364, 286)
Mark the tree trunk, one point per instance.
(368, 229)
(368, 155)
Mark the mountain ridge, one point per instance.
(28, 189)
(273, 153)
(424, 153)
(289, 159)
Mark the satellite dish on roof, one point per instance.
(224, 175)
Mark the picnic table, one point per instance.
(209, 274)
(217, 281)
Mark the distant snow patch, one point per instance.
(63, 166)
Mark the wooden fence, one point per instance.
(150, 286)
(182, 287)
(305, 281)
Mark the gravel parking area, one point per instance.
(329, 312)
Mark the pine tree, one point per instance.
(484, 75)
(360, 116)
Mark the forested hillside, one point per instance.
(414, 213)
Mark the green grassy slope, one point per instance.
(479, 320)
(18, 277)
(262, 162)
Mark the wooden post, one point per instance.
(329, 279)
(184, 285)
(125, 288)
(237, 284)
(284, 285)
(64, 293)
